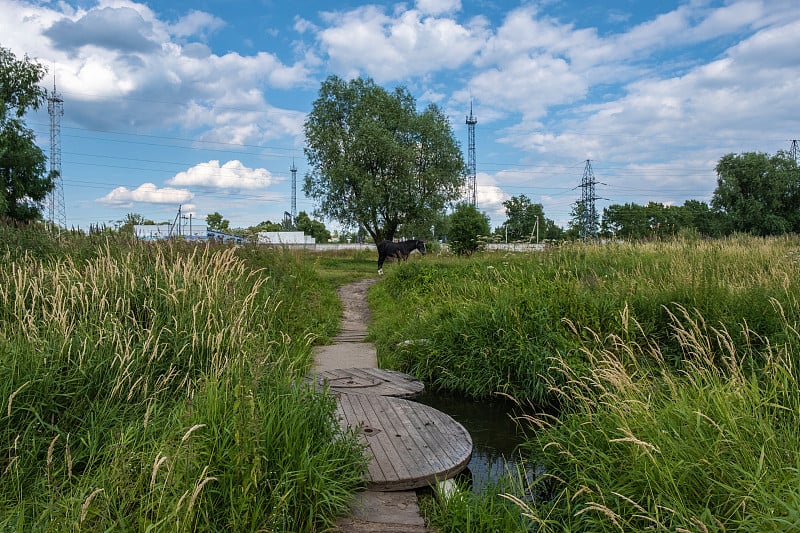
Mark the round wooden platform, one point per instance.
(373, 381)
(410, 444)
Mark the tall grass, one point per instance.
(670, 371)
(160, 388)
(639, 446)
(491, 324)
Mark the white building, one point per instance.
(285, 238)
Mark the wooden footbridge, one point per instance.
(410, 445)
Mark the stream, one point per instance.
(495, 435)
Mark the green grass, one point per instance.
(160, 388)
(669, 370)
(343, 267)
(491, 324)
(713, 447)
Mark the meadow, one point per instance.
(657, 382)
(159, 387)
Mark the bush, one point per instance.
(468, 230)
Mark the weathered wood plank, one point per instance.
(411, 445)
(370, 381)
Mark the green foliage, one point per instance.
(640, 447)
(671, 369)
(216, 222)
(376, 162)
(654, 220)
(24, 183)
(159, 387)
(315, 228)
(526, 220)
(468, 231)
(759, 193)
(462, 511)
(492, 324)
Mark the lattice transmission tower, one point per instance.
(55, 107)
(588, 212)
(293, 213)
(472, 179)
(794, 151)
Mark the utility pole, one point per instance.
(55, 108)
(472, 179)
(189, 218)
(175, 223)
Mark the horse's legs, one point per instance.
(381, 259)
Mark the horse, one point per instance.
(397, 250)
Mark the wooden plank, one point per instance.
(373, 381)
(411, 445)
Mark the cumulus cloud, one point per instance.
(438, 7)
(231, 175)
(386, 47)
(146, 193)
(119, 62)
(196, 23)
(121, 29)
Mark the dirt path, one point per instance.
(349, 349)
(371, 511)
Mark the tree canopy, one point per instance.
(24, 184)
(759, 193)
(216, 222)
(467, 227)
(315, 228)
(375, 161)
(524, 220)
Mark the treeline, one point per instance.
(756, 194)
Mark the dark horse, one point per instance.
(397, 250)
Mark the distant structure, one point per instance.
(588, 212)
(55, 107)
(794, 151)
(472, 180)
(293, 212)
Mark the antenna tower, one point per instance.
(55, 108)
(794, 151)
(293, 214)
(588, 214)
(472, 183)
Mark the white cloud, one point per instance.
(118, 62)
(438, 7)
(367, 41)
(231, 175)
(145, 193)
(196, 23)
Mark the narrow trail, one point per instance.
(371, 511)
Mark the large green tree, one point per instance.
(759, 193)
(377, 162)
(24, 182)
(526, 220)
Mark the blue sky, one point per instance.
(201, 104)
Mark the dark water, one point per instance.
(495, 435)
